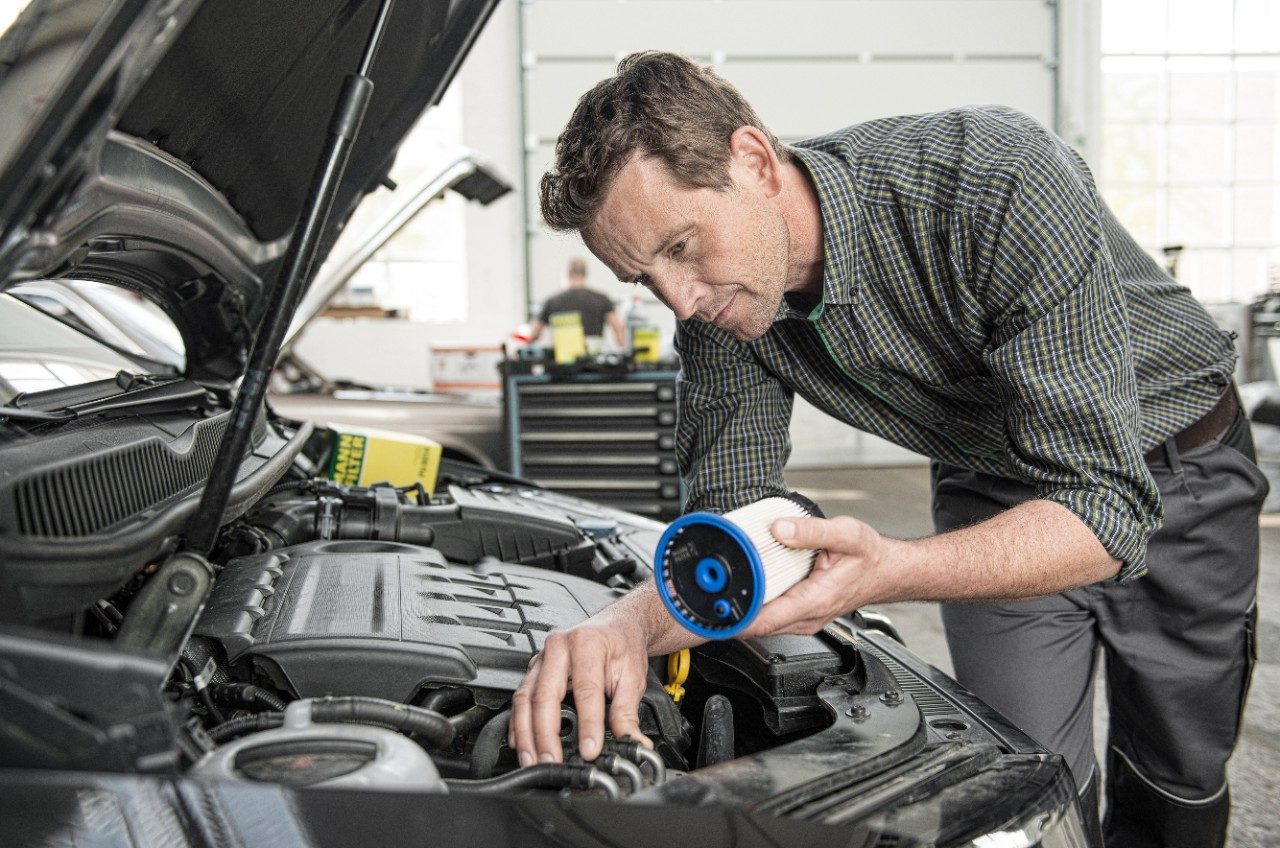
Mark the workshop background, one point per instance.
(1175, 104)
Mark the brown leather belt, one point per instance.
(1202, 431)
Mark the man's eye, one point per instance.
(678, 247)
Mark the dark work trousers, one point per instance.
(1179, 646)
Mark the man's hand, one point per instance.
(597, 659)
(1035, 548)
(850, 556)
(606, 656)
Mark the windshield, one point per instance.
(121, 319)
(38, 352)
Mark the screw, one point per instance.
(776, 658)
(857, 712)
(893, 697)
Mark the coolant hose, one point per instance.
(243, 725)
(470, 720)
(484, 756)
(430, 725)
(434, 728)
(540, 776)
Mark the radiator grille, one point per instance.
(90, 496)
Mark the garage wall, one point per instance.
(395, 352)
(808, 66)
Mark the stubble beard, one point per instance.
(774, 258)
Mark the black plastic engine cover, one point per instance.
(386, 619)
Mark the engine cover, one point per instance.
(387, 620)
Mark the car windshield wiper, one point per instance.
(133, 392)
(19, 414)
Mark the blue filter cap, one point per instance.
(709, 575)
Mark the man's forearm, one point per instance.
(642, 606)
(1036, 548)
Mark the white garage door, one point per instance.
(808, 66)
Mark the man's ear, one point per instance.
(751, 152)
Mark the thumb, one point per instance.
(842, 535)
(792, 532)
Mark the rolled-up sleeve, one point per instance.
(1058, 347)
(732, 433)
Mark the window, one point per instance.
(1191, 140)
(421, 272)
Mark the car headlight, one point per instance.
(1055, 822)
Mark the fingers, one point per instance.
(547, 696)
(520, 732)
(624, 715)
(805, 608)
(592, 666)
(588, 663)
(841, 535)
(776, 616)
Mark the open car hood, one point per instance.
(167, 146)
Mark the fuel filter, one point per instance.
(714, 572)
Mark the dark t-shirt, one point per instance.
(591, 305)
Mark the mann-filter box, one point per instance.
(362, 456)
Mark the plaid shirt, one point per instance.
(980, 305)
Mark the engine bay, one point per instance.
(368, 636)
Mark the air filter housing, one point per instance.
(715, 572)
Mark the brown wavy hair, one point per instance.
(661, 104)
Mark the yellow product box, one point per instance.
(568, 338)
(646, 341)
(362, 456)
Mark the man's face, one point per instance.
(718, 256)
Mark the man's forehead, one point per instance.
(643, 209)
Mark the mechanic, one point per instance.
(954, 283)
(595, 309)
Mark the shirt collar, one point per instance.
(833, 181)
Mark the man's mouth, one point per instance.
(724, 313)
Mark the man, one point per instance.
(595, 309)
(951, 282)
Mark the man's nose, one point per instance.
(681, 295)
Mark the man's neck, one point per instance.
(803, 213)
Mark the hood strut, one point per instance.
(202, 530)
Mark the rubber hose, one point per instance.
(267, 699)
(484, 756)
(201, 689)
(430, 725)
(243, 725)
(470, 720)
(246, 694)
(716, 745)
(446, 700)
(540, 776)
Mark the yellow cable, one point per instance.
(677, 673)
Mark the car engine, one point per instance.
(349, 635)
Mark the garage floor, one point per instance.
(896, 502)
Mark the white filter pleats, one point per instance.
(783, 567)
